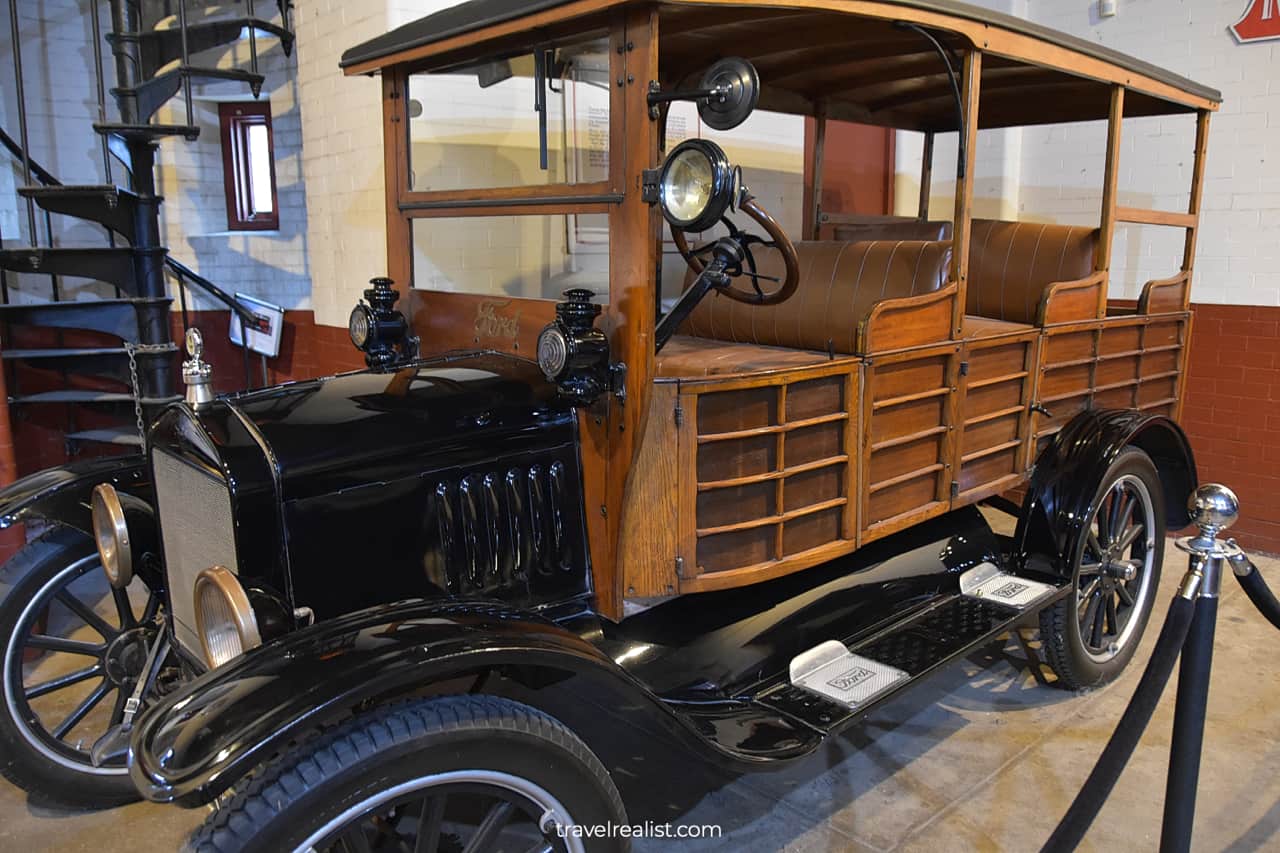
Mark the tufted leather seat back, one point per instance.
(1012, 263)
(839, 284)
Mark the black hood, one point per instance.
(348, 430)
(458, 475)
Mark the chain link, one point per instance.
(133, 350)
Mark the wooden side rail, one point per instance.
(1144, 216)
(1066, 301)
(1164, 295)
(908, 321)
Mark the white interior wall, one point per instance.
(1057, 170)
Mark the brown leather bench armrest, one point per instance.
(908, 321)
(1082, 299)
(1163, 295)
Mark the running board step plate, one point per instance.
(986, 581)
(831, 670)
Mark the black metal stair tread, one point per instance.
(82, 352)
(88, 396)
(108, 205)
(147, 131)
(120, 435)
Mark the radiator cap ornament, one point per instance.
(196, 372)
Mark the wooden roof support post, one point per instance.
(926, 177)
(630, 316)
(962, 228)
(1197, 196)
(819, 153)
(395, 143)
(1110, 185)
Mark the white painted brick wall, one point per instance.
(341, 158)
(61, 99)
(1057, 174)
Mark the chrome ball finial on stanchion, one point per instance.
(1213, 508)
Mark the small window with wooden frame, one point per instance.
(248, 166)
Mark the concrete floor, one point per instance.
(983, 757)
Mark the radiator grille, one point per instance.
(199, 532)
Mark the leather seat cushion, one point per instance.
(1011, 264)
(840, 282)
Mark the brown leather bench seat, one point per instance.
(840, 283)
(1013, 264)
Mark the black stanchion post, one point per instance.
(1213, 508)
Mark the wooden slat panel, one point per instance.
(1144, 216)
(649, 540)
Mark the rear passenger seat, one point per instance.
(1012, 264)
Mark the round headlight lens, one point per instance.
(553, 352)
(358, 326)
(697, 185)
(224, 619)
(687, 185)
(111, 535)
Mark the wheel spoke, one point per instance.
(1130, 536)
(1095, 546)
(117, 712)
(87, 614)
(58, 644)
(46, 687)
(124, 609)
(1125, 595)
(1121, 509)
(1099, 614)
(1090, 589)
(82, 710)
(1111, 616)
(429, 824)
(1090, 569)
(497, 817)
(353, 840)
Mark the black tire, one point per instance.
(328, 787)
(58, 769)
(1081, 655)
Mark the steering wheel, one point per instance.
(777, 240)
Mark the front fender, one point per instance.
(198, 742)
(62, 494)
(1069, 471)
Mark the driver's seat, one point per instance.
(840, 282)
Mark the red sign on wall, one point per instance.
(1261, 21)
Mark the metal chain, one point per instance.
(133, 350)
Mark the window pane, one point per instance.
(477, 126)
(528, 257)
(260, 169)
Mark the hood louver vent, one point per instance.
(499, 529)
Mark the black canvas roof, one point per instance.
(477, 14)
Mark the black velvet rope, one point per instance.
(1120, 747)
(1260, 594)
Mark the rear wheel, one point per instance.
(72, 649)
(1090, 637)
(462, 773)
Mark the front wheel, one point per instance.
(459, 773)
(1089, 637)
(72, 650)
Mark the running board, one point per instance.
(835, 684)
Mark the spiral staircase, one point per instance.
(109, 362)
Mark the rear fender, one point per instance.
(1068, 473)
(202, 739)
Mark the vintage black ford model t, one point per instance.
(344, 607)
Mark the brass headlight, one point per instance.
(111, 535)
(224, 618)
